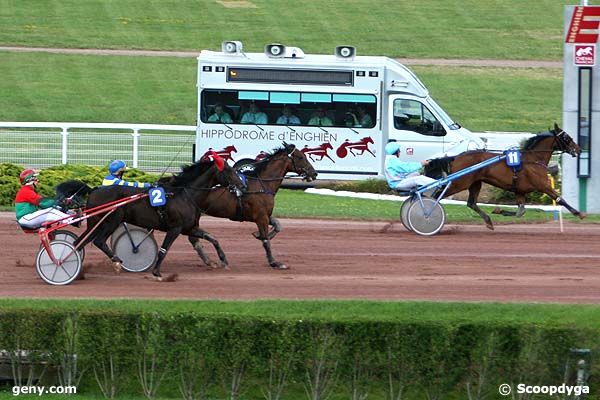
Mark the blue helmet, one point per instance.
(392, 148)
(116, 166)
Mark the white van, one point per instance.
(339, 109)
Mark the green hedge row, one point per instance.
(50, 177)
(185, 354)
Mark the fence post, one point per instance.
(64, 134)
(136, 144)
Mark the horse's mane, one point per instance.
(262, 164)
(188, 173)
(534, 140)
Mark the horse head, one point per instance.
(299, 163)
(564, 142)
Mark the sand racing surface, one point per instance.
(342, 260)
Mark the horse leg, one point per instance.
(273, 232)
(263, 229)
(472, 204)
(521, 205)
(164, 248)
(520, 210)
(559, 200)
(201, 234)
(200, 250)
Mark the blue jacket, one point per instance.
(396, 170)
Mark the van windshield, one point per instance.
(442, 114)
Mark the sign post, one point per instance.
(581, 105)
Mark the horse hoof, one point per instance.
(278, 265)
(154, 278)
(582, 215)
(489, 226)
(117, 267)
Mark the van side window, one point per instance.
(412, 115)
(339, 110)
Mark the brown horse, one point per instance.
(532, 175)
(257, 202)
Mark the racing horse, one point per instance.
(256, 203)
(188, 191)
(532, 175)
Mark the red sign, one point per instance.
(584, 54)
(585, 25)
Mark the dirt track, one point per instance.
(344, 260)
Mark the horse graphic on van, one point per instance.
(362, 145)
(319, 151)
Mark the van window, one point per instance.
(412, 115)
(348, 110)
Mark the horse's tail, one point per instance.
(439, 167)
(74, 190)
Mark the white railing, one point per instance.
(146, 146)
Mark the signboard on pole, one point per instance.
(585, 25)
(584, 55)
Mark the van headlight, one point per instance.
(473, 146)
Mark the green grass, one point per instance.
(47, 87)
(436, 28)
(576, 316)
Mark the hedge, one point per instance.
(189, 355)
(51, 177)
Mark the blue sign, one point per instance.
(513, 158)
(157, 197)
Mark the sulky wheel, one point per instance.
(69, 237)
(137, 249)
(69, 263)
(426, 217)
(404, 212)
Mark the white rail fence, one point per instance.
(145, 146)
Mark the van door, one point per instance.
(421, 134)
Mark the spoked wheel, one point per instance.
(136, 247)
(404, 212)
(68, 267)
(68, 237)
(426, 219)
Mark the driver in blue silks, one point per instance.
(115, 176)
(403, 175)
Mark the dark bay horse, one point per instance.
(180, 215)
(257, 202)
(532, 176)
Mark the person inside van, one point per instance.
(358, 118)
(254, 116)
(320, 119)
(220, 115)
(403, 175)
(287, 117)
